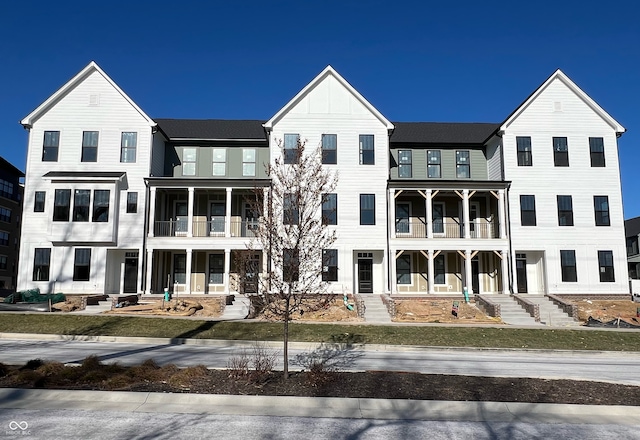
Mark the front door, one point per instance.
(130, 273)
(521, 272)
(365, 275)
(251, 273)
(181, 214)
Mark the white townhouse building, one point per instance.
(117, 202)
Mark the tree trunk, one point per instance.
(286, 343)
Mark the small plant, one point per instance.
(238, 365)
(263, 362)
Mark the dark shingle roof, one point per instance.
(632, 227)
(211, 129)
(442, 132)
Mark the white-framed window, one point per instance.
(38, 201)
(189, 156)
(523, 144)
(433, 164)
(291, 148)
(329, 149)
(405, 164)
(216, 268)
(132, 202)
(439, 270)
(128, 146)
(463, 164)
(403, 269)
(50, 146)
(329, 265)
(89, 146)
(82, 264)
(596, 150)
(248, 162)
(560, 152)
(219, 162)
(367, 149)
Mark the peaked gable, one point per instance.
(558, 75)
(325, 76)
(91, 68)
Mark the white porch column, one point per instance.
(431, 275)
(501, 214)
(149, 271)
(187, 282)
(152, 212)
(391, 208)
(227, 269)
(504, 267)
(190, 214)
(429, 213)
(394, 276)
(227, 213)
(467, 271)
(465, 213)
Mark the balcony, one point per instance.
(415, 228)
(215, 227)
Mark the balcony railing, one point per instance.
(216, 227)
(442, 229)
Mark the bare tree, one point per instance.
(294, 236)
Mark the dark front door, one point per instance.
(130, 274)
(521, 272)
(475, 275)
(365, 275)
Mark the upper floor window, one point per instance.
(6, 189)
(596, 148)
(189, 156)
(329, 265)
(248, 162)
(3, 262)
(404, 163)
(100, 205)
(290, 209)
(4, 238)
(41, 262)
(433, 163)
(219, 162)
(132, 202)
(560, 152)
(463, 165)
(632, 245)
(89, 146)
(82, 265)
(565, 211)
(568, 266)
(81, 199)
(367, 209)
(61, 205)
(524, 151)
(528, 210)
(605, 262)
(50, 146)
(601, 208)
(291, 148)
(329, 149)
(5, 215)
(330, 209)
(38, 201)
(367, 151)
(128, 146)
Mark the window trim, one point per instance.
(367, 155)
(437, 164)
(79, 265)
(405, 271)
(39, 205)
(329, 152)
(40, 276)
(80, 209)
(530, 221)
(371, 197)
(61, 212)
(460, 165)
(568, 272)
(606, 271)
(90, 152)
(210, 272)
(330, 213)
(524, 151)
(132, 202)
(560, 157)
(52, 149)
(290, 265)
(126, 150)
(289, 152)
(99, 206)
(174, 268)
(217, 161)
(329, 271)
(408, 164)
(246, 162)
(601, 219)
(444, 270)
(597, 158)
(190, 162)
(565, 214)
(290, 209)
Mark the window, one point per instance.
(403, 269)
(601, 208)
(329, 265)
(128, 145)
(329, 209)
(248, 162)
(189, 162)
(216, 269)
(367, 209)
(82, 265)
(290, 210)
(524, 151)
(290, 265)
(89, 146)
(568, 265)
(38, 201)
(367, 152)
(605, 261)
(565, 211)
(291, 148)
(560, 152)
(219, 161)
(528, 210)
(41, 262)
(101, 205)
(132, 202)
(81, 198)
(50, 146)
(463, 167)
(179, 268)
(5, 215)
(596, 148)
(433, 164)
(3, 262)
(404, 163)
(61, 205)
(632, 246)
(438, 270)
(4, 238)
(329, 149)
(6, 189)
(403, 210)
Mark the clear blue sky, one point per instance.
(464, 61)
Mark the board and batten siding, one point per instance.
(477, 160)
(204, 161)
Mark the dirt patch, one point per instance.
(607, 310)
(202, 307)
(70, 304)
(420, 310)
(319, 311)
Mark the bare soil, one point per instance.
(428, 310)
(607, 310)
(202, 307)
(320, 311)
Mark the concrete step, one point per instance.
(239, 309)
(375, 310)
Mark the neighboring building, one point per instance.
(10, 223)
(123, 203)
(632, 234)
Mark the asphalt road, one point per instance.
(618, 367)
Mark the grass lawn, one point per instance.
(367, 334)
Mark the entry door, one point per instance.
(474, 213)
(521, 272)
(180, 211)
(365, 275)
(475, 275)
(130, 273)
(218, 212)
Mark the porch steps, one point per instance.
(238, 310)
(375, 311)
(511, 312)
(551, 314)
(96, 309)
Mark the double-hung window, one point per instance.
(100, 205)
(596, 149)
(329, 265)
(82, 264)
(4, 238)
(463, 165)
(290, 209)
(89, 146)
(248, 162)
(528, 210)
(433, 164)
(3, 262)
(439, 273)
(404, 163)
(219, 162)
(560, 152)
(403, 269)
(61, 205)
(81, 199)
(565, 211)
(189, 156)
(291, 148)
(50, 146)
(367, 209)
(605, 261)
(41, 262)
(568, 265)
(367, 151)
(330, 209)
(179, 268)
(216, 269)
(128, 146)
(523, 144)
(38, 201)
(290, 265)
(132, 202)
(601, 208)
(5, 215)
(329, 149)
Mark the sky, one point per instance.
(456, 61)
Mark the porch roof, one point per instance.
(178, 182)
(471, 185)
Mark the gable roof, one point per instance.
(443, 133)
(212, 129)
(558, 75)
(328, 71)
(92, 67)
